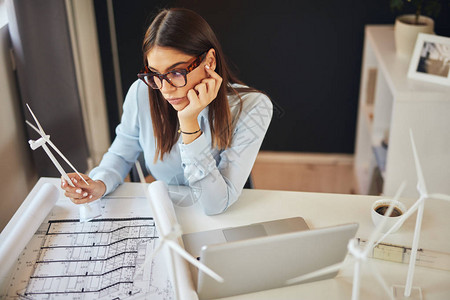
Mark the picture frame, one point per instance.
(430, 60)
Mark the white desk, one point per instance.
(320, 210)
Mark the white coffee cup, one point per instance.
(379, 207)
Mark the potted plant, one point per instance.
(408, 26)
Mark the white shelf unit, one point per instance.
(389, 105)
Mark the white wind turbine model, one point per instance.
(87, 211)
(169, 238)
(359, 256)
(419, 205)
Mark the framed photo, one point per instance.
(431, 59)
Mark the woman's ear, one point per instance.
(210, 59)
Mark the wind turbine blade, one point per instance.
(402, 219)
(65, 159)
(140, 173)
(380, 279)
(440, 196)
(371, 243)
(421, 184)
(57, 164)
(178, 249)
(42, 132)
(34, 127)
(147, 260)
(321, 272)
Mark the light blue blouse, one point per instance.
(215, 177)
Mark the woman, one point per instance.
(196, 123)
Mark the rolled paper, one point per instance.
(22, 232)
(168, 222)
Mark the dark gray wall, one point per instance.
(47, 81)
(306, 55)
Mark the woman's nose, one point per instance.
(166, 86)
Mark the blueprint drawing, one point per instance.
(100, 259)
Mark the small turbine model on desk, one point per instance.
(359, 257)
(419, 205)
(87, 211)
(168, 237)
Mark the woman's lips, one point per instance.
(175, 101)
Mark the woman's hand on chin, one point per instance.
(200, 97)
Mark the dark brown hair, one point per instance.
(186, 31)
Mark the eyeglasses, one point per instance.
(176, 78)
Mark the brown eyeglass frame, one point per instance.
(195, 63)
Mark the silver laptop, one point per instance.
(264, 255)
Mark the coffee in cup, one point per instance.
(380, 207)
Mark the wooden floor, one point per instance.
(307, 172)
